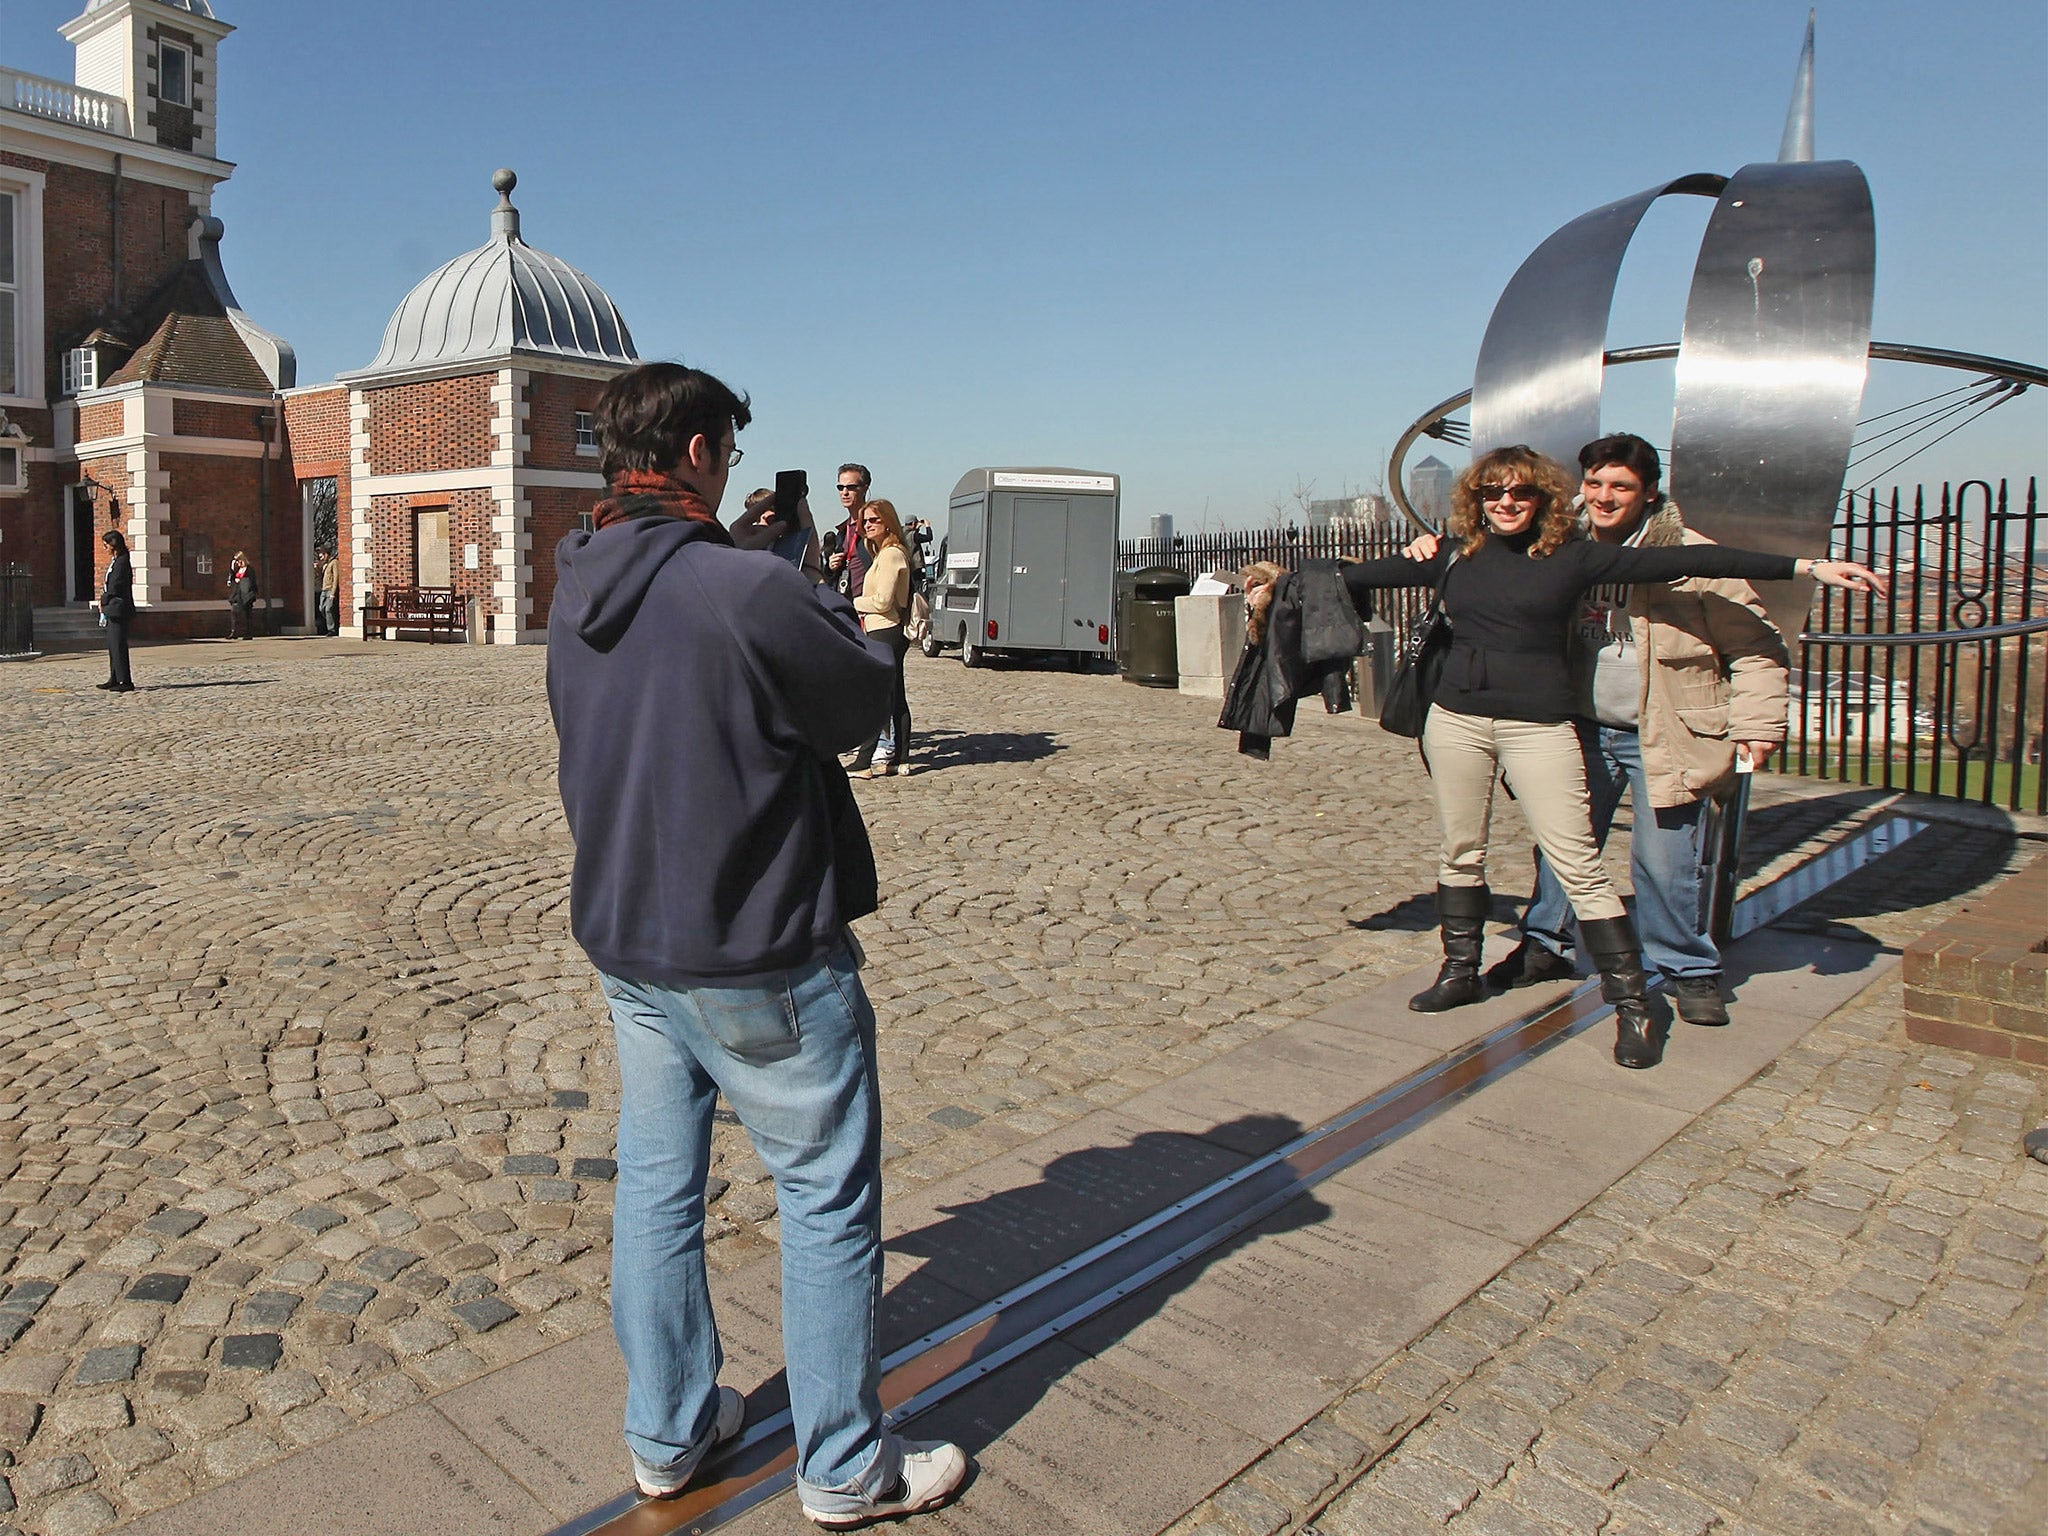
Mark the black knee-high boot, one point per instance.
(1611, 941)
(1461, 913)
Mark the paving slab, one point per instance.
(1518, 1158)
(1806, 975)
(1700, 1066)
(1260, 1333)
(552, 1422)
(379, 1481)
(1384, 1010)
(981, 1232)
(1264, 1094)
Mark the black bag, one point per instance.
(1406, 709)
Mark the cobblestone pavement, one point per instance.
(306, 1096)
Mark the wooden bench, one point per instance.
(434, 611)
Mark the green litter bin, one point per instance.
(1146, 652)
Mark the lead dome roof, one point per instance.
(502, 298)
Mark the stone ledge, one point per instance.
(1979, 982)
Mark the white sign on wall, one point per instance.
(469, 557)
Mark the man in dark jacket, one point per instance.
(701, 694)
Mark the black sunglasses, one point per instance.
(1511, 492)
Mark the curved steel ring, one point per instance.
(1885, 351)
(1936, 636)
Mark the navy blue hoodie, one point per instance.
(701, 694)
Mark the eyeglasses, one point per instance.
(1510, 493)
(856, 488)
(737, 455)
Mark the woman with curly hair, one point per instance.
(1504, 704)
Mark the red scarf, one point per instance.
(639, 492)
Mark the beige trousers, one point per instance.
(1546, 770)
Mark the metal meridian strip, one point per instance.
(1541, 364)
(930, 1369)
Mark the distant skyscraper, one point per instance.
(1162, 525)
(1429, 488)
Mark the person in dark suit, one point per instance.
(116, 604)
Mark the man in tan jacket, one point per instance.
(1675, 680)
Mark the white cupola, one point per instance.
(161, 57)
(504, 303)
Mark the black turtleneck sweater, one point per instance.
(1511, 616)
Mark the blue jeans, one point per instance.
(796, 1061)
(1664, 864)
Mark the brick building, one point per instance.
(135, 393)
(469, 445)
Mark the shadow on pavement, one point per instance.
(986, 1246)
(221, 682)
(934, 750)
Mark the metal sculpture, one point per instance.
(1771, 368)
(1771, 363)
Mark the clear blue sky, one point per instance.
(1220, 248)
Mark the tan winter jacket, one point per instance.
(885, 595)
(1715, 672)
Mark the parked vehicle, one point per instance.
(1028, 566)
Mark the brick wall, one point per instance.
(316, 426)
(316, 441)
(109, 418)
(1979, 982)
(556, 514)
(110, 475)
(553, 401)
(441, 424)
(32, 528)
(219, 498)
(78, 248)
(216, 418)
(392, 534)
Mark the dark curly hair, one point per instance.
(1556, 518)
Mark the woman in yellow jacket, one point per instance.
(883, 605)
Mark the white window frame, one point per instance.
(81, 371)
(586, 433)
(13, 467)
(26, 188)
(163, 51)
(10, 288)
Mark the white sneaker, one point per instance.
(932, 1472)
(732, 1411)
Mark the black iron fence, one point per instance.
(17, 615)
(1228, 553)
(1917, 705)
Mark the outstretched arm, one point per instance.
(1613, 562)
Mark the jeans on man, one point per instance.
(1664, 864)
(796, 1061)
(328, 621)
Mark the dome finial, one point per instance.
(504, 218)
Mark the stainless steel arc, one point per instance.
(1540, 367)
(1772, 361)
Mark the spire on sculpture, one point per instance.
(1797, 143)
